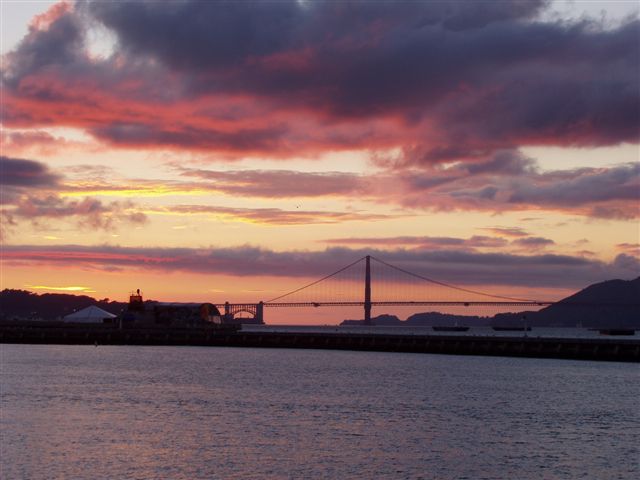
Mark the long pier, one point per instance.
(609, 349)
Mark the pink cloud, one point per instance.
(456, 85)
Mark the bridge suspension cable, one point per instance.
(316, 282)
(442, 284)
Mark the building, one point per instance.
(90, 314)
(170, 314)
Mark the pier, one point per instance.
(608, 349)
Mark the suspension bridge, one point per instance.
(354, 286)
(368, 282)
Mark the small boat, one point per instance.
(512, 329)
(454, 328)
(617, 331)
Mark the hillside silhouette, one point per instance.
(21, 304)
(611, 303)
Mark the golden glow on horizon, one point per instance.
(151, 191)
(61, 289)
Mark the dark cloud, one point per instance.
(153, 136)
(627, 262)
(457, 267)
(441, 80)
(55, 40)
(18, 172)
(213, 35)
(581, 186)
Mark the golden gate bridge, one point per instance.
(394, 286)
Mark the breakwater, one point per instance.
(610, 349)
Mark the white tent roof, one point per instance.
(90, 312)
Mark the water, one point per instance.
(232, 413)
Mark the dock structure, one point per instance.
(610, 349)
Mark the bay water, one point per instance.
(116, 412)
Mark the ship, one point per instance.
(511, 329)
(452, 328)
(617, 331)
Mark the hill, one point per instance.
(614, 303)
(21, 304)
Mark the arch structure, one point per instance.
(256, 310)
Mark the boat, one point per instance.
(617, 331)
(512, 329)
(453, 328)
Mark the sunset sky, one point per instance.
(212, 151)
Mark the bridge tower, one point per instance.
(260, 312)
(367, 291)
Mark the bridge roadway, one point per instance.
(408, 303)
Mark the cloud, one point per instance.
(507, 231)
(471, 244)
(29, 191)
(456, 267)
(438, 81)
(247, 140)
(236, 31)
(90, 212)
(476, 241)
(280, 183)
(19, 141)
(506, 181)
(632, 249)
(271, 184)
(18, 172)
(507, 185)
(270, 216)
(54, 39)
(534, 243)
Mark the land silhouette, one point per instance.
(613, 303)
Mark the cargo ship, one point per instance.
(617, 331)
(453, 328)
(511, 329)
